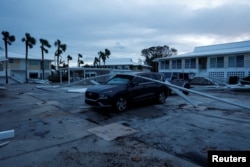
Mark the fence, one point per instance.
(82, 75)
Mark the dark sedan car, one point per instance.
(123, 89)
(179, 79)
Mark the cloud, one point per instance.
(125, 26)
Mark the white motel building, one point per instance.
(219, 61)
(17, 71)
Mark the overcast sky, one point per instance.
(125, 27)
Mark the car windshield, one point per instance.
(120, 79)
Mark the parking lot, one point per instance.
(53, 128)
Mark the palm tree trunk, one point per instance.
(42, 65)
(26, 62)
(57, 62)
(6, 62)
(78, 61)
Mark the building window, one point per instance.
(217, 62)
(46, 65)
(190, 63)
(165, 64)
(216, 74)
(187, 63)
(118, 67)
(162, 64)
(11, 60)
(220, 62)
(236, 61)
(33, 75)
(176, 64)
(240, 74)
(231, 61)
(1, 67)
(212, 62)
(193, 63)
(126, 67)
(240, 61)
(33, 62)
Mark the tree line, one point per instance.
(156, 52)
(30, 41)
(150, 53)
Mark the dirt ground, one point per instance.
(52, 129)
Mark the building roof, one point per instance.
(121, 61)
(13, 55)
(219, 49)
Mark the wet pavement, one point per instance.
(51, 129)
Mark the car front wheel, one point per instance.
(161, 97)
(121, 104)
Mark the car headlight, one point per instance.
(103, 96)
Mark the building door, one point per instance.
(33, 75)
(202, 63)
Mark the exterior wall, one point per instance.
(17, 75)
(226, 71)
(17, 69)
(170, 68)
(2, 66)
(139, 68)
(15, 64)
(221, 72)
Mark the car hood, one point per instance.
(105, 88)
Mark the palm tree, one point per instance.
(104, 55)
(101, 57)
(29, 42)
(107, 53)
(60, 49)
(68, 59)
(44, 45)
(62, 62)
(96, 60)
(79, 60)
(8, 39)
